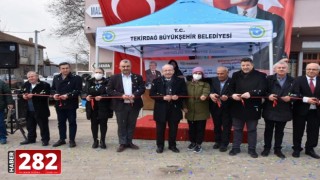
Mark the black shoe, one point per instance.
(103, 145)
(223, 148)
(216, 146)
(265, 152)
(253, 153)
(192, 146)
(279, 154)
(198, 149)
(296, 154)
(95, 144)
(27, 142)
(72, 144)
(59, 143)
(121, 148)
(234, 151)
(45, 143)
(313, 154)
(159, 150)
(174, 149)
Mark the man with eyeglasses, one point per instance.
(127, 89)
(166, 91)
(307, 111)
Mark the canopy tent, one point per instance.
(187, 28)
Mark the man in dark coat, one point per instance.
(66, 88)
(249, 8)
(128, 89)
(277, 109)
(166, 92)
(219, 109)
(307, 111)
(245, 84)
(37, 108)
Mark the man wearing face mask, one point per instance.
(196, 108)
(98, 108)
(245, 84)
(166, 91)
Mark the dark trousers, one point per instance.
(299, 123)
(173, 129)
(238, 126)
(196, 131)
(126, 119)
(63, 116)
(278, 128)
(222, 126)
(43, 123)
(95, 123)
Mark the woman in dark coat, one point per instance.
(177, 71)
(98, 108)
(277, 108)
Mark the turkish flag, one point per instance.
(120, 11)
(282, 8)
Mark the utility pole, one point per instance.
(36, 57)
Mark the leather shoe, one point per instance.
(103, 145)
(72, 144)
(234, 152)
(27, 142)
(132, 146)
(216, 146)
(174, 149)
(159, 150)
(279, 154)
(253, 153)
(266, 152)
(296, 154)
(223, 148)
(45, 143)
(95, 144)
(313, 154)
(121, 148)
(59, 143)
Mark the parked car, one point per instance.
(16, 83)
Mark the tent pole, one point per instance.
(270, 57)
(97, 57)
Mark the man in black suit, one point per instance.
(307, 111)
(128, 88)
(166, 92)
(245, 84)
(219, 109)
(152, 73)
(249, 8)
(37, 108)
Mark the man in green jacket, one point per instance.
(5, 101)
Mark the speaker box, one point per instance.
(9, 55)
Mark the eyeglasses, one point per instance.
(125, 66)
(312, 69)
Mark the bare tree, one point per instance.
(70, 15)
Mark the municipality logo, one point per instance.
(108, 36)
(257, 31)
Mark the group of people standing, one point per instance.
(232, 102)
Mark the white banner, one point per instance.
(209, 65)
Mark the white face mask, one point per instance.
(196, 77)
(98, 76)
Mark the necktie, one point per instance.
(153, 73)
(245, 13)
(311, 86)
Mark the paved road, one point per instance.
(83, 162)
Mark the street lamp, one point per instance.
(36, 57)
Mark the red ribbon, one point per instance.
(60, 104)
(275, 102)
(92, 103)
(219, 103)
